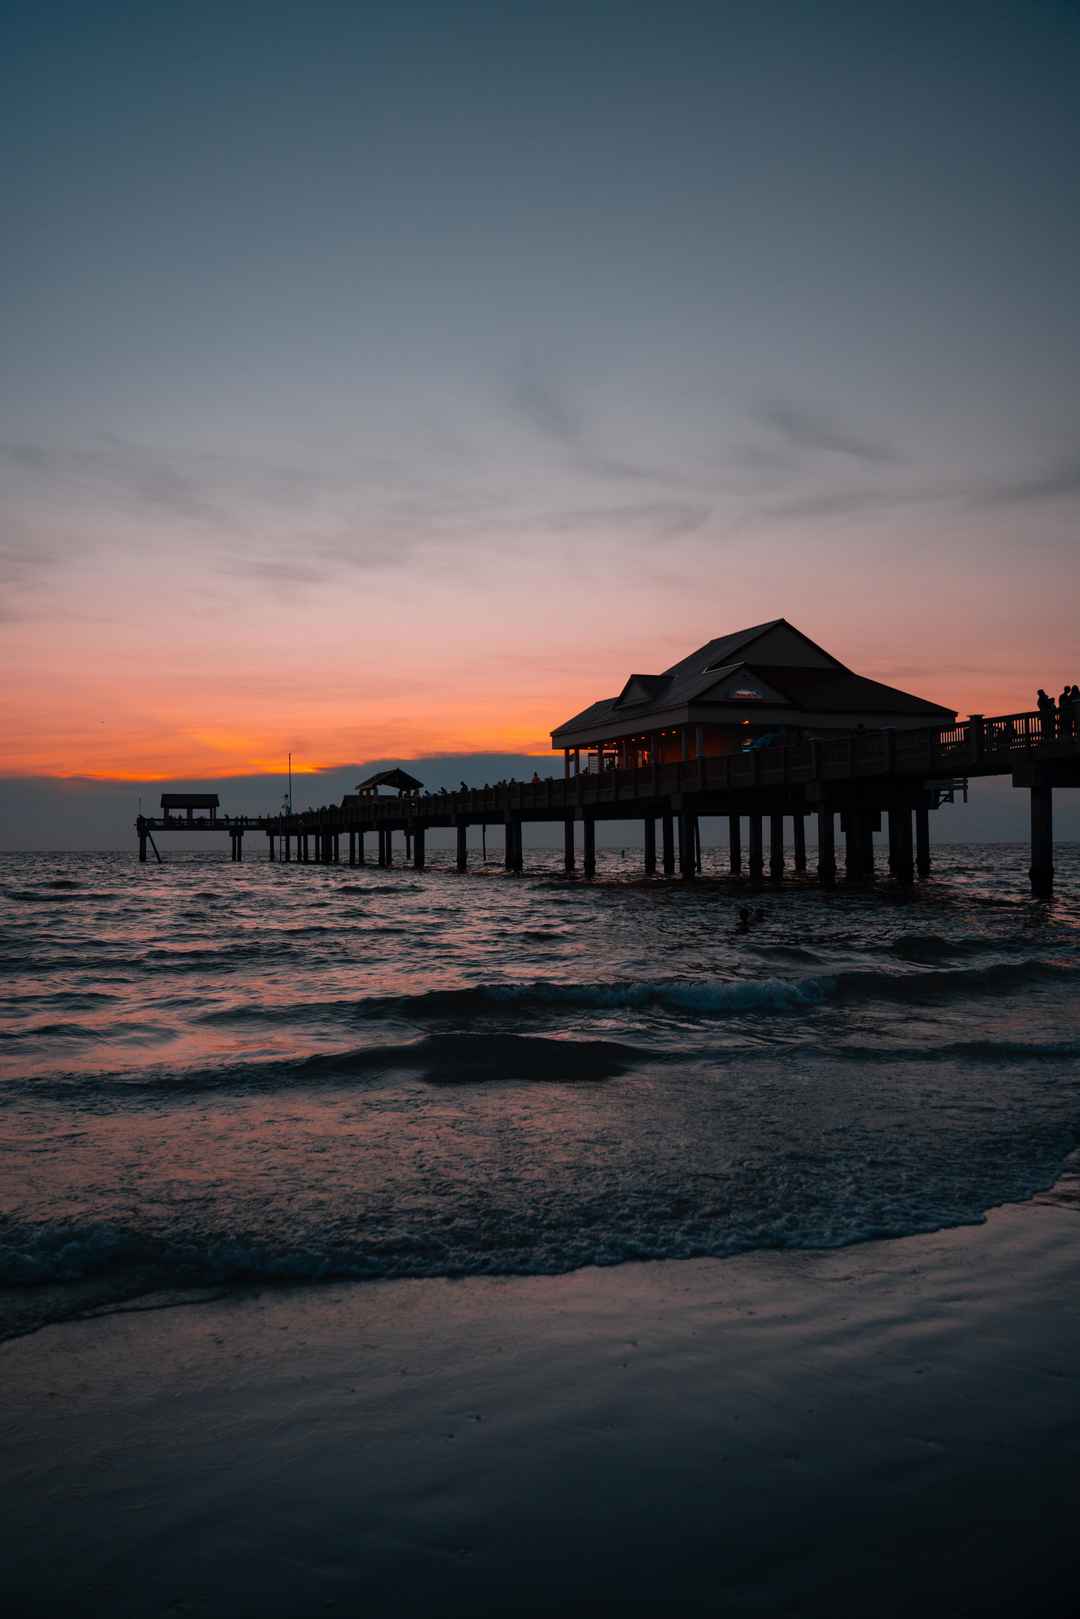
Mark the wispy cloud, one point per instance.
(1058, 481)
(811, 432)
(552, 412)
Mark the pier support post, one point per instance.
(667, 835)
(687, 846)
(352, 847)
(286, 848)
(826, 848)
(360, 857)
(270, 842)
(569, 853)
(757, 852)
(776, 847)
(418, 842)
(798, 824)
(852, 847)
(462, 846)
(866, 824)
(337, 848)
(903, 858)
(650, 845)
(388, 844)
(735, 845)
(142, 841)
(588, 827)
(1042, 840)
(922, 839)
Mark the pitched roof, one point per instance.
(842, 691)
(390, 778)
(817, 687)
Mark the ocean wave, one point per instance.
(715, 998)
(526, 1237)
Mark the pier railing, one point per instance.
(977, 746)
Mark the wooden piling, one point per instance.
(462, 846)
(900, 844)
(418, 842)
(735, 845)
(667, 835)
(649, 828)
(826, 848)
(757, 853)
(776, 847)
(922, 839)
(588, 826)
(798, 826)
(569, 852)
(687, 853)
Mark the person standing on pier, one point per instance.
(1065, 711)
(1045, 705)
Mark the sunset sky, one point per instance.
(392, 379)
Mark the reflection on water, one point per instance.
(218, 1071)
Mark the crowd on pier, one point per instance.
(1063, 717)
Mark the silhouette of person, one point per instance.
(1065, 711)
(1045, 705)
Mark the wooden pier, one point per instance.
(860, 777)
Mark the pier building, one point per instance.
(762, 728)
(768, 683)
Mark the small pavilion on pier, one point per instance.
(766, 684)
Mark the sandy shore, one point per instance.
(866, 1431)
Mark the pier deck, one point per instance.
(902, 773)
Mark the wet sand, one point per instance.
(865, 1431)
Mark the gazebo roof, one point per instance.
(390, 778)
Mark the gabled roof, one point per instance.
(838, 691)
(189, 801)
(641, 689)
(822, 685)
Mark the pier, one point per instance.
(847, 783)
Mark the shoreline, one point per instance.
(780, 1432)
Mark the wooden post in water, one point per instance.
(360, 848)
(798, 826)
(922, 839)
(588, 826)
(687, 861)
(1042, 840)
(852, 847)
(866, 819)
(569, 853)
(894, 842)
(776, 847)
(462, 846)
(826, 848)
(270, 842)
(667, 835)
(142, 839)
(418, 842)
(352, 847)
(757, 853)
(735, 844)
(286, 848)
(903, 855)
(649, 827)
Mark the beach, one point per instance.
(881, 1428)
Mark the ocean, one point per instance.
(217, 1074)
